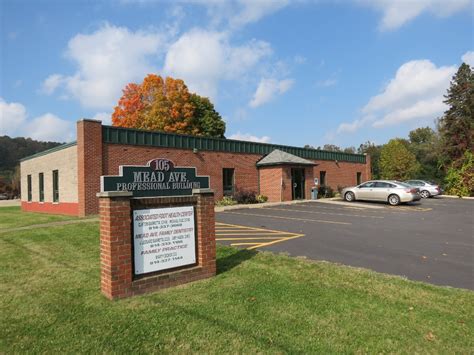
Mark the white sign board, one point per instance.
(163, 238)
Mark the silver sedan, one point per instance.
(393, 192)
(427, 189)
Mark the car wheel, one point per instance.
(425, 194)
(393, 200)
(349, 196)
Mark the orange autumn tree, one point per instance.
(166, 105)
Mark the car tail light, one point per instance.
(411, 191)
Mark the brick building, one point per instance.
(66, 179)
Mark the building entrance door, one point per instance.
(297, 182)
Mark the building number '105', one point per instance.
(161, 164)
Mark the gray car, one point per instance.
(427, 189)
(393, 192)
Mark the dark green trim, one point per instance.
(119, 135)
(55, 149)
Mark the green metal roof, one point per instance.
(52, 150)
(119, 135)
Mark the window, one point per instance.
(28, 182)
(359, 176)
(322, 178)
(384, 184)
(367, 185)
(228, 181)
(55, 186)
(41, 187)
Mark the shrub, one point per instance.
(226, 201)
(245, 197)
(460, 176)
(325, 191)
(262, 198)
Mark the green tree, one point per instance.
(397, 162)
(460, 178)
(207, 118)
(457, 125)
(374, 152)
(332, 148)
(425, 144)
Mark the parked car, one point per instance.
(427, 189)
(393, 192)
(3, 196)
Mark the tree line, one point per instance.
(444, 154)
(11, 151)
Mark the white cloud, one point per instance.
(253, 10)
(14, 122)
(415, 93)
(268, 88)
(429, 108)
(238, 13)
(468, 58)
(250, 138)
(12, 116)
(327, 83)
(202, 58)
(413, 81)
(349, 127)
(107, 60)
(51, 83)
(105, 117)
(49, 127)
(397, 13)
(299, 59)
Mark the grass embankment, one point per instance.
(11, 217)
(258, 302)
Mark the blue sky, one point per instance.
(287, 72)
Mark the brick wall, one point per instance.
(342, 173)
(117, 280)
(246, 174)
(89, 162)
(63, 160)
(94, 158)
(206, 163)
(270, 182)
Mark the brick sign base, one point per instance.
(116, 249)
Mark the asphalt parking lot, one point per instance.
(429, 241)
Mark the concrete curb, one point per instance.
(260, 205)
(454, 196)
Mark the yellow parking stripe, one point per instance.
(253, 228)
(251, 237)
(254, 233)
(289, 218)
(278, 241)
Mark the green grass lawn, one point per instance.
(12, 217)
(258, 302)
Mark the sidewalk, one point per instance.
(260, 205)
